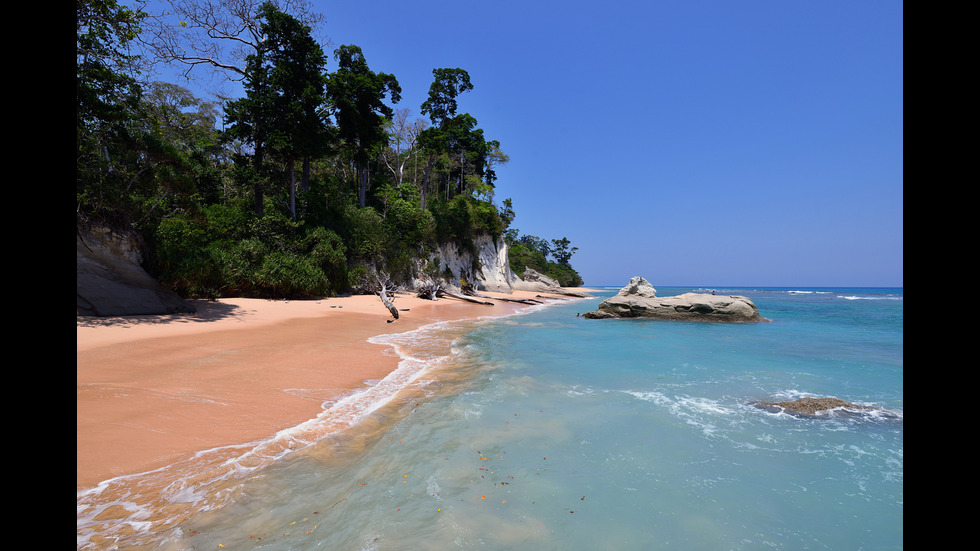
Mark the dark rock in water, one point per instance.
(110, 281)
(639, 300)
(813, 406)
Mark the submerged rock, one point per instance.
(639, 299)
(813, 406)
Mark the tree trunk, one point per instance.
(258, 197)
(443, 292)
(425, 181)
(362, 181)
(292, 186)
(429, 292)
(383, 293)
(505, 299)
(306, 174)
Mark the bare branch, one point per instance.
(218, 34)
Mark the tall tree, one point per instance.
(357, 94)
(446, 85)
(184, 120)
(188, 124)
(296, 79)
(285, 93)
(562, 252)
(441, 106)
(107, 100)
(403, 138)
(248, 120)
(468, 151)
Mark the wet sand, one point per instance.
(152, 390)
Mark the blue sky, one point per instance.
(693, 142)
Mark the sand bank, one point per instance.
(155, 389)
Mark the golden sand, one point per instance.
(152, 390)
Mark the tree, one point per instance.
(467, 148)
(447, 84)
(105, 91)
(561, 252)
(110, 138)
(187, 123)
(285, 93)
(248, 120)
(494, 157)
(298, 94)
(216, 34)
(441, 106)
(183, 119)
(357, 94)
(403, 138)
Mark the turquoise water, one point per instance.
(546, 430)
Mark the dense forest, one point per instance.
(310, 184)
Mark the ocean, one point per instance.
(548, 431)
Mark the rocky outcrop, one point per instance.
(815, 407)
(110, 281)
(535, 281)
(485, 265)
(488, 269)
(639, 299)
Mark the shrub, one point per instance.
(328, 252)
(363, 233)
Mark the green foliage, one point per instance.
(561, 251)
(463, 217)
(446, 85)
(363, 233)
(228, 252)
(328, 252)
(529, 251)
(357, 95)
(186, 260)
(220, 211)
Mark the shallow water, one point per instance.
(549, 431)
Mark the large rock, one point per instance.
(639, 300)
(110, 281)
(535, 281)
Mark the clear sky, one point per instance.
(692, 142)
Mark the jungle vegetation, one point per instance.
(304, 186)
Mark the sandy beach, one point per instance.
(151, 390)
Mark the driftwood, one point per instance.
(505, 299)
(443, 292)
(429, 292)
(383, 293)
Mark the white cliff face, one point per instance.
(491, 272)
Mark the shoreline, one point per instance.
(153, 390)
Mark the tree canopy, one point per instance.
(211, 184)
(357, 95)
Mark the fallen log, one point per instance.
(443, 292)
(429, 292)
(383, 293)
(506, 299)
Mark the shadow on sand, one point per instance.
(207, 311)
